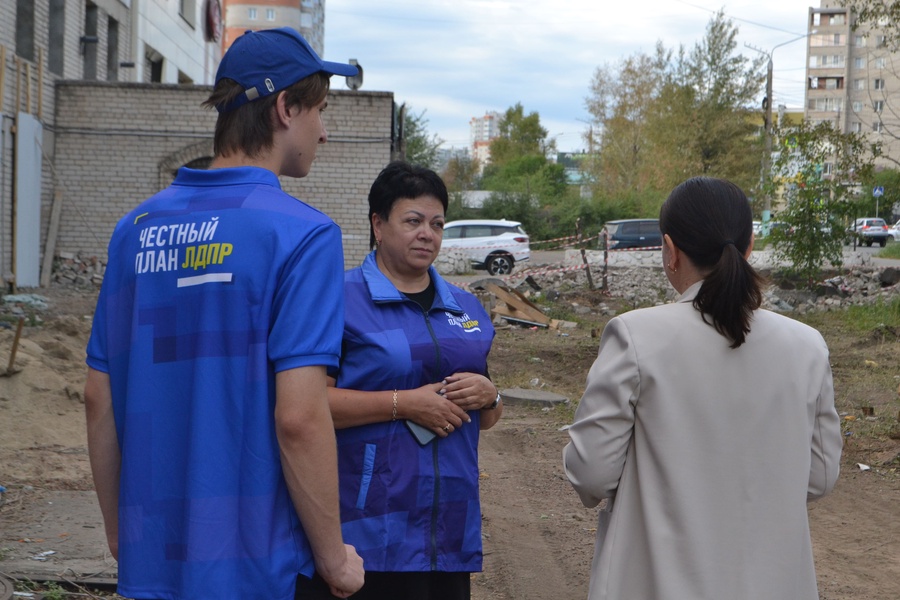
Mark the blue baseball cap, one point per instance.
(269, 60)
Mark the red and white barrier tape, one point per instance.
(561, 239)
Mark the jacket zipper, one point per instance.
(434, 455)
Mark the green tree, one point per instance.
(817, 172)
(421, 147)
(520, 135)
(622, 97)
(888, 205)
(461, 176)
(524, 180)
(672, 115)
(721, 87)
(884, 14)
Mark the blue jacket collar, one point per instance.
(382, 290)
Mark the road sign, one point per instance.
(878, 191)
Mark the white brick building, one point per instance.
(76, 154)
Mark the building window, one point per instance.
(857, 107)
(188, 11)
(879, 84)
(879, 63)
(859, 84)
(878, 106)
(827, 62)
(112, 50)
(859, 41)
(827, 169)
(89, 49)
(877, 126)
(856, 127)
(270, 14)
(828, 83)
(25, 29)
(859, 63)
(826, 39)
(880, 41)
(826, 104)
(836, 19)
(251, 14)
(57, 32)
(816, 19)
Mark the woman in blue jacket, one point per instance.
(409, 399)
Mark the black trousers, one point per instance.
(432, 585)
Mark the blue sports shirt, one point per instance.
(213, 285)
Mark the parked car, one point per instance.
(894, 230)
(633, 233)
(869, 230)
(494, 245)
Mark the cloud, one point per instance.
(457, 59)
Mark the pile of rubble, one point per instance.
(637, 284)
(78, 271)
(643, 286)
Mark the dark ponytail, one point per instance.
(711, 222)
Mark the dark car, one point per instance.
(633, 233)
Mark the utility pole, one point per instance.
(767, 105)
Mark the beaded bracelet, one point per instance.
(394, 406)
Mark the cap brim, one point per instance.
(335, 68)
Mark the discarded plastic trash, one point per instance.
(42, 556)
(863, 467)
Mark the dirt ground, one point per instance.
(538, 538)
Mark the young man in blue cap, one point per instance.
(209, 433)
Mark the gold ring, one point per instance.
(446, 427)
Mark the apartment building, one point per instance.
(853, 77)
(306, 16)
(152, 41)
(482, 130)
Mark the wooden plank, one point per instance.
(2, 76)
(518, 305)
(52, 235)
(509, 316)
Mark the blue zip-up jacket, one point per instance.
(403, 506)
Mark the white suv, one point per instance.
(489, 244)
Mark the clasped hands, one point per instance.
(443, 406)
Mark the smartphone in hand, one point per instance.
(422, 434)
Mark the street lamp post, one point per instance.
(767, 158)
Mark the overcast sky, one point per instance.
(457, 59)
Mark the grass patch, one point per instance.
(892, 250)
(875, 317)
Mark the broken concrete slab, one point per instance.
(524, 397)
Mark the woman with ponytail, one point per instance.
(706, 425)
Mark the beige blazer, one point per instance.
(707, 454)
